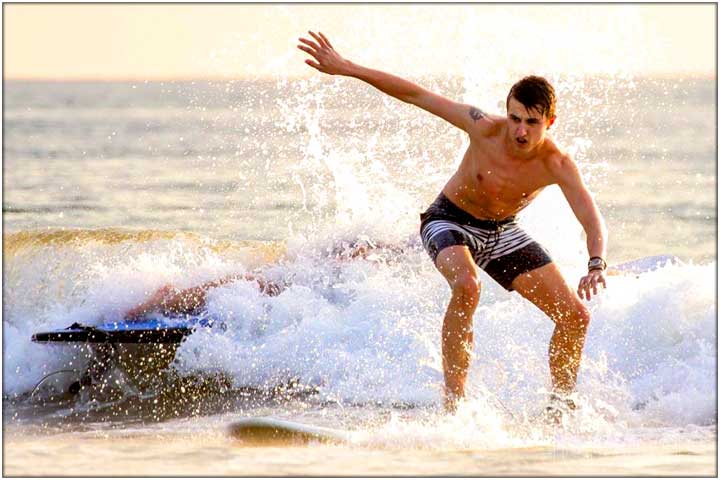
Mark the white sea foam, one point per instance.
(362, 333)
(366, 330)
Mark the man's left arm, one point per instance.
(588, 214)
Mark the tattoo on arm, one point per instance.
(476, 114)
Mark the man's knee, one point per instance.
(466, 286)
(582, 316)
(576, 317)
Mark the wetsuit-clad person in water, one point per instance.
(472, 223)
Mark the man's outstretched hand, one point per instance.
(327, 60)
(590, 282)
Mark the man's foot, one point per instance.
(558, 408)
(451, 403)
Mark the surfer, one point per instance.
(170, 300)
(473, 223)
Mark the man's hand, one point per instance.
(590, 282)
(328, 60)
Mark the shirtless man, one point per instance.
(472, 222)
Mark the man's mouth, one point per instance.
(521, 141)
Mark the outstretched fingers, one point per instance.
(326, 40)
(589, 285)
(308, 50)
(312, 44)
(312, 53)
(320, 40)
(584, 288)
(324, 57)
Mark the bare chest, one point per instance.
(489, 184)
(493, 174)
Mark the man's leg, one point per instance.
(458, 267)
(172, 301)
(547, 289)
(150, 304)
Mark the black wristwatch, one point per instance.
(596, 263)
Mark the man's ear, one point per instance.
(551, 121)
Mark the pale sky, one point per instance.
(166, 41)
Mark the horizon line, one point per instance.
(214, 78)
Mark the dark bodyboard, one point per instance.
(155, 331)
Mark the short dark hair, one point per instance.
(536, 93)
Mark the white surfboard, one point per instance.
(644, 264)
(273, 430)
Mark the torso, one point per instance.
(492, 184)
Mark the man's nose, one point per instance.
(521, 131)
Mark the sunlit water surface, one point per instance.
(113, 189)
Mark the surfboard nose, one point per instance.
(268, 430)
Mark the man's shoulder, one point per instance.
(555, 156)
(560, 165)
(491, 126)
(558, 162)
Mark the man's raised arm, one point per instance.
(327, 60)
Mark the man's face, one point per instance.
(526, 128)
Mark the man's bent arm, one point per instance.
(584, 208)
(589, 216)
(463, 116)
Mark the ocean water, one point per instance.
(114, 189)
(263, 160)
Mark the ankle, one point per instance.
(562, 400)
(451, 401)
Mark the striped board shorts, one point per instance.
(501, 248)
